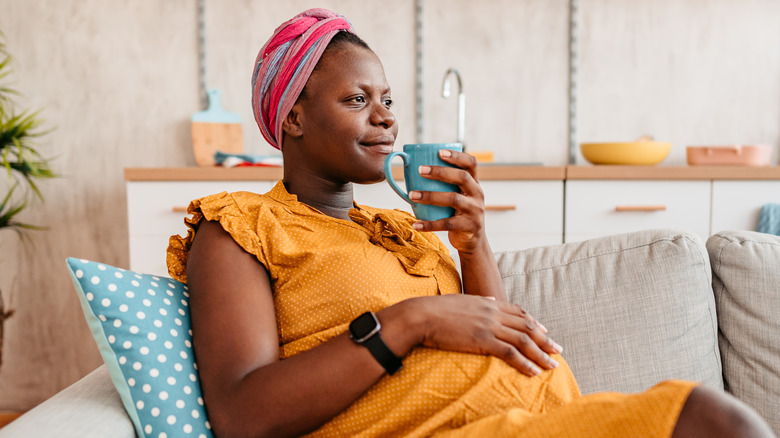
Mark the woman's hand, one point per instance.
(481, 325)
(466, 227)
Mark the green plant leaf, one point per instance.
(9, 210)
(19, 154)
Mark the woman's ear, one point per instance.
(292, 123)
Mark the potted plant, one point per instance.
(22, 163)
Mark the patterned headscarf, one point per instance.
(285, 63)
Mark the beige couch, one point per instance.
(630, 310)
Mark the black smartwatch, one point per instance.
(364, 330)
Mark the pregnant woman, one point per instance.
(314, 315)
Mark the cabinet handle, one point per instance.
(640, 208)
(179, 209)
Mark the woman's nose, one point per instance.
(383, 116)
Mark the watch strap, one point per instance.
(382, 353)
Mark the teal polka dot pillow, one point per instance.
(141, 324)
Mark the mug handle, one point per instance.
(389, 174)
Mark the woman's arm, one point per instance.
(248, 390)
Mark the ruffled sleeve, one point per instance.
(221, 207)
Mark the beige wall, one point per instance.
(118, 83)
(694, 72)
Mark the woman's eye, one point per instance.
(359, 99)
(388, 102)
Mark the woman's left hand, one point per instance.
(466, 228)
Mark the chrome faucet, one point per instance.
(445, 92)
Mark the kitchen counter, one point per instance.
(673, 172)
(486, 172)
(492, 172)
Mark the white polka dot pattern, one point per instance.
(141, 324)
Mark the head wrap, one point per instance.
(285, 63)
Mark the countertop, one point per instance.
(487, 172)
(673, 172)
(492, 172)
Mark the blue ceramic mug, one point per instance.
(414, 156)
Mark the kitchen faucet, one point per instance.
(445, 92)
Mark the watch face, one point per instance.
(363, 326)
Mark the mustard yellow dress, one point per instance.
(327, 271)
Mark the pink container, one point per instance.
(736, 155)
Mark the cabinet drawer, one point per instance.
(523, 214)
(519, 214)
(736, 205)
(598, 208)
(155, 212)
(151, 205)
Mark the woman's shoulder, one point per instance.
(233, 203)
(238, 213)
(228, 198)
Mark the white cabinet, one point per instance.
(525, 206)
(736, 205)
(155, 213)
(521, 214)
(601, 207)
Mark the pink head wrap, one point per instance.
(285, 63)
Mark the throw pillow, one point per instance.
(746, 283)
(141, 325)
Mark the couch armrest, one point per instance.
(89, 408)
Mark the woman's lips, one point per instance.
(381, 148)
(382, 144)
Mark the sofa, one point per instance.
(630, 310)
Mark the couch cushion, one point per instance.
(141, 325)
(630, 310)
(746, 282)
(90, 408)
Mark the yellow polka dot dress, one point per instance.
(325, 272)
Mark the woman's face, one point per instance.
(347, 126)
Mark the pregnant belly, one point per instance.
(439, 389)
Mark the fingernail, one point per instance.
(553, 363)
(445, 153)
(424, 170)
(535, 371)
(417, 226)
(558, 349)
(415, 195)
(541, 326)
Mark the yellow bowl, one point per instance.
(634, 153)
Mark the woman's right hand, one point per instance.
(480, 325)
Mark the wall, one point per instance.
(118, 83)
